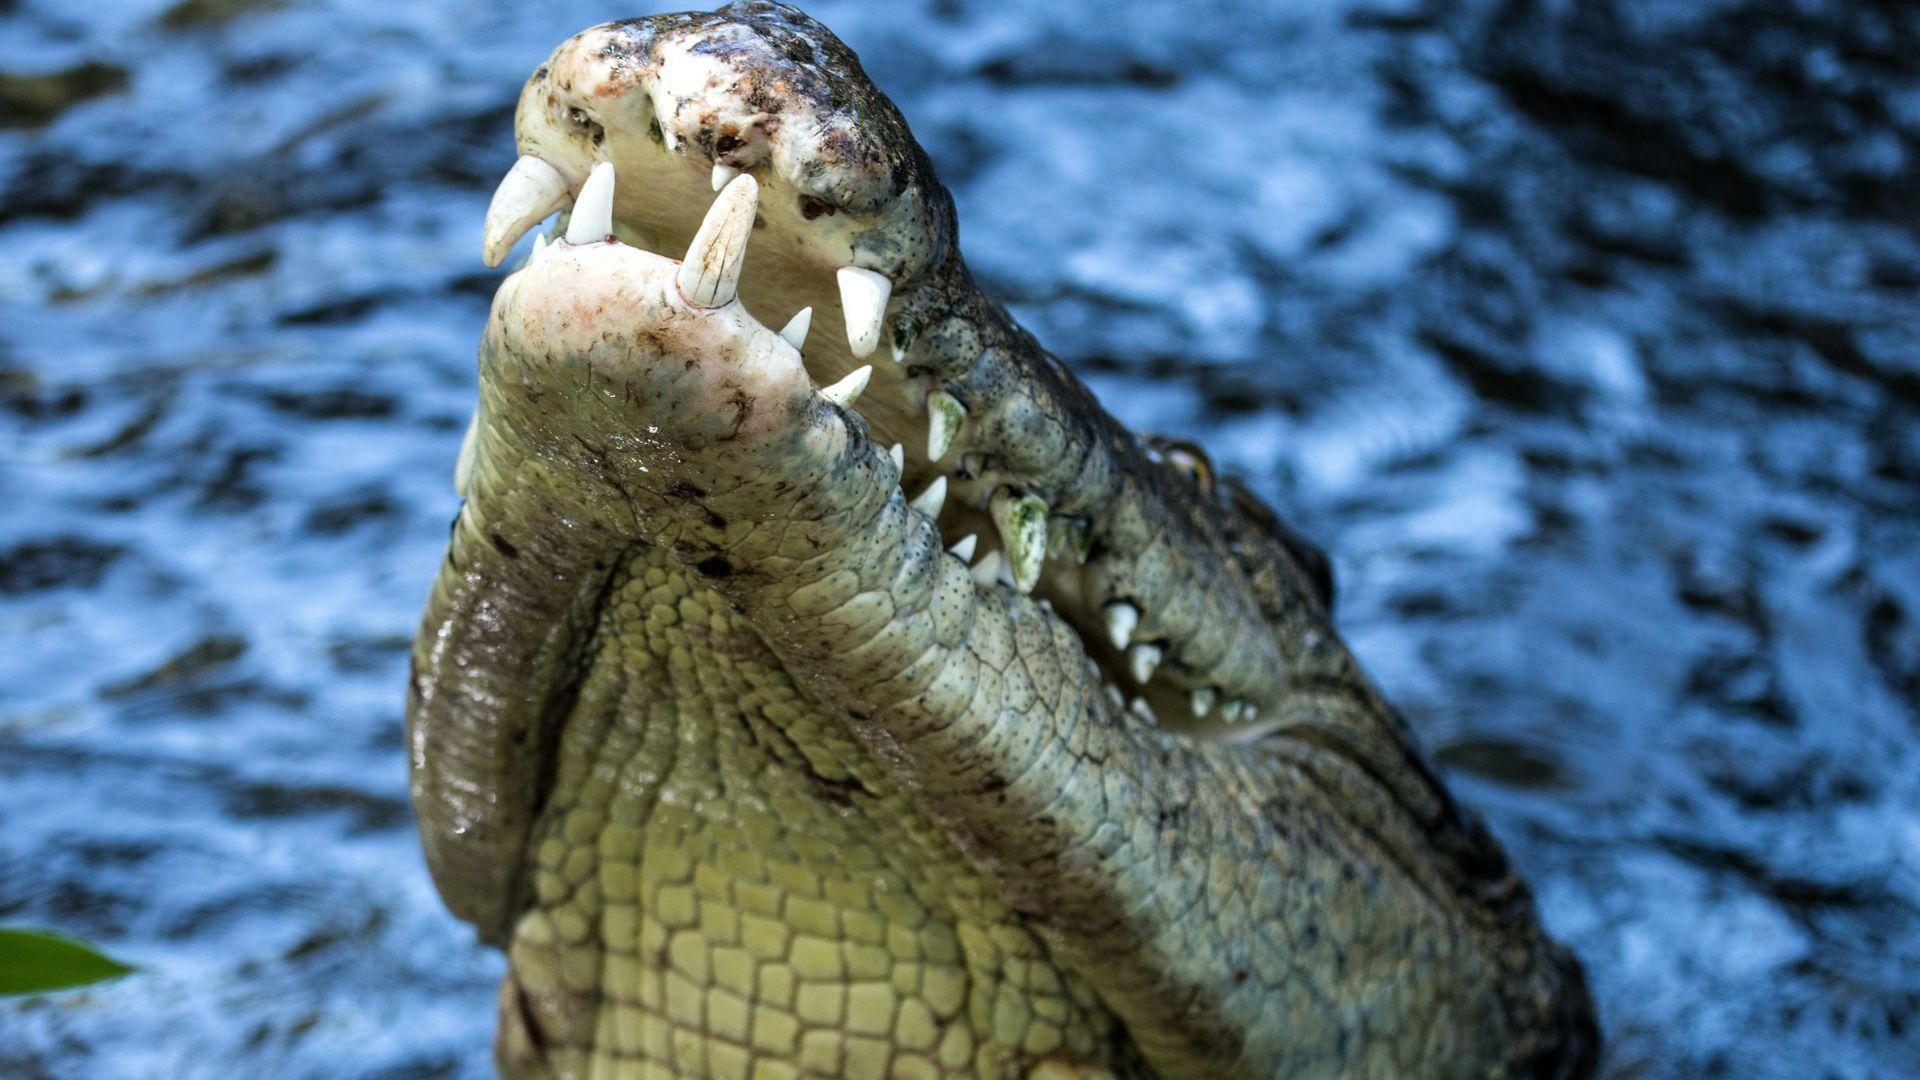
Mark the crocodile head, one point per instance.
(1134, 543)
(1104, 674)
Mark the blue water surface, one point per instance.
(1583, 334)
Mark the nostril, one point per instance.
(812, 206)
(727, 144)
(585, 124)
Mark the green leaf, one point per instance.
(31, 962)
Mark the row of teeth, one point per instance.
(709, 278)
(533, 190)
(1028, 536)
(1143, 658)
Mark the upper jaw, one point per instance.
(683, 103)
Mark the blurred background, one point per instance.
(1585, 335)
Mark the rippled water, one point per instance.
(1584, 335)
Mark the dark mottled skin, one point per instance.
(692, 651)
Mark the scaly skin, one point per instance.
(752, 778)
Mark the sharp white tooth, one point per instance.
(1202, 700)
(931, 500)
(530, 191)
(847, 391)
(964, 547)
(592, 220)
(1122, 619)
(1233, 711)
(710, 274)
(539, 249)
(1022, 522)
(796, 329)
(1139, 707)
(973, 465)
(1142, 659)
(463, 465)
(863, 297)
(1250, 712)
(989, 569)
(899, 455)
(723, 173)
(945, 417)
(899, 354)
(1118, 699)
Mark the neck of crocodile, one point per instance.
(725, 873)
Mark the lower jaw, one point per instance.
(775, 284)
